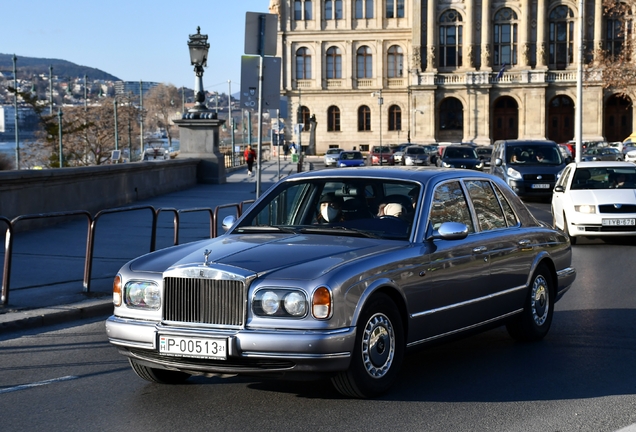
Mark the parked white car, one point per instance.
(594, 199)
(331, 157)
(630, 156)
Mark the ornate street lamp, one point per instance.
(199, 46)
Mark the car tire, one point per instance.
(159, 376)
(377, 353)
(533, 323)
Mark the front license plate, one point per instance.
(182, 346)
(540, 186)
(619, 222)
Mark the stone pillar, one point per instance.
(598, 29)
(486, 36)
(524, 35)
(541, 42)
(469, 35)
(431, 26)
(199, 139)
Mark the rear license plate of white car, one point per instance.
(185, 346)
(618, 222)
(541, 186)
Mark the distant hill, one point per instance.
(64, 69)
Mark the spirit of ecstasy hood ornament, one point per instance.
(206, 254)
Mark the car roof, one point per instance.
(417, 174)
(602, 164)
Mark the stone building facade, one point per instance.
(358, 73)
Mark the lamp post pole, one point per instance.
(230, 120)
(141, 121)
(51, 90)
(15, 104)
(59, 126)
(116, 125)
(85, 93)
(380, 102)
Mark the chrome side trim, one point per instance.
(467, 302)
(295, 355)
(463, 329)
(128, 343)
(566, 272)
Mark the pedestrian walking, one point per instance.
(250, 156)
(285, 150)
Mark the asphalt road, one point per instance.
(580, 378)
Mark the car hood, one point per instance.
(288, 256)
(603, 196)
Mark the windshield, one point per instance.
(534, 155)
(604, 178)
(356, 207)
(385, 149)
(460, 153)
(333, 151)
(351, 155)
(415, 150)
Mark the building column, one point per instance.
(469, 36)
(524, 36)
(541, 42)
(415, 56)
(431, 25)
(598, 29)
(486, 36)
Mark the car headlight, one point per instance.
(447, 165)
(276, 302)
(341, 164)
(480, 165)
(142, 295)
(513, 173)
(585, 208)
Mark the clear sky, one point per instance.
(133, 39)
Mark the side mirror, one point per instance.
(498, 162)
(559, 188)
(450, 231)
(228, 222)
(568, 160)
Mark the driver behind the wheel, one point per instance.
(391, 209)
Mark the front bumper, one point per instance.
(591, 225)
(250, 351)
(529, 188)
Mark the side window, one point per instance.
(489, 213)
(511, 217)
(450, 205)
(564, 177)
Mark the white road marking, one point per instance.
(37, 384)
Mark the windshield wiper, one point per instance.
(338, 230)
(265, 228)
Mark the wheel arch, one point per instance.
(388, 288)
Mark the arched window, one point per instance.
(303, 64)
(364, 9)
(395, 118)
(505, 38)
(561, 49)
(364, 118)
(450, 39)
(334, 63)
(333, 9)
(395, 60)
(364, 60)
(451, 114)
(302, 10)
(303, 117)
(394, 9)
(615, 32)
(333, 119)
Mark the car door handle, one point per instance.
(480, 249)
(524, 243)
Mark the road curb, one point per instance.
(29, 319)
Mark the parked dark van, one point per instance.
(530, 167)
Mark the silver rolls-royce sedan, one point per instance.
(338, 274)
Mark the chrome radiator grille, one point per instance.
(204, 301)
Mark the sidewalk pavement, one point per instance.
(47, 271)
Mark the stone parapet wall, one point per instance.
(91, 188)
